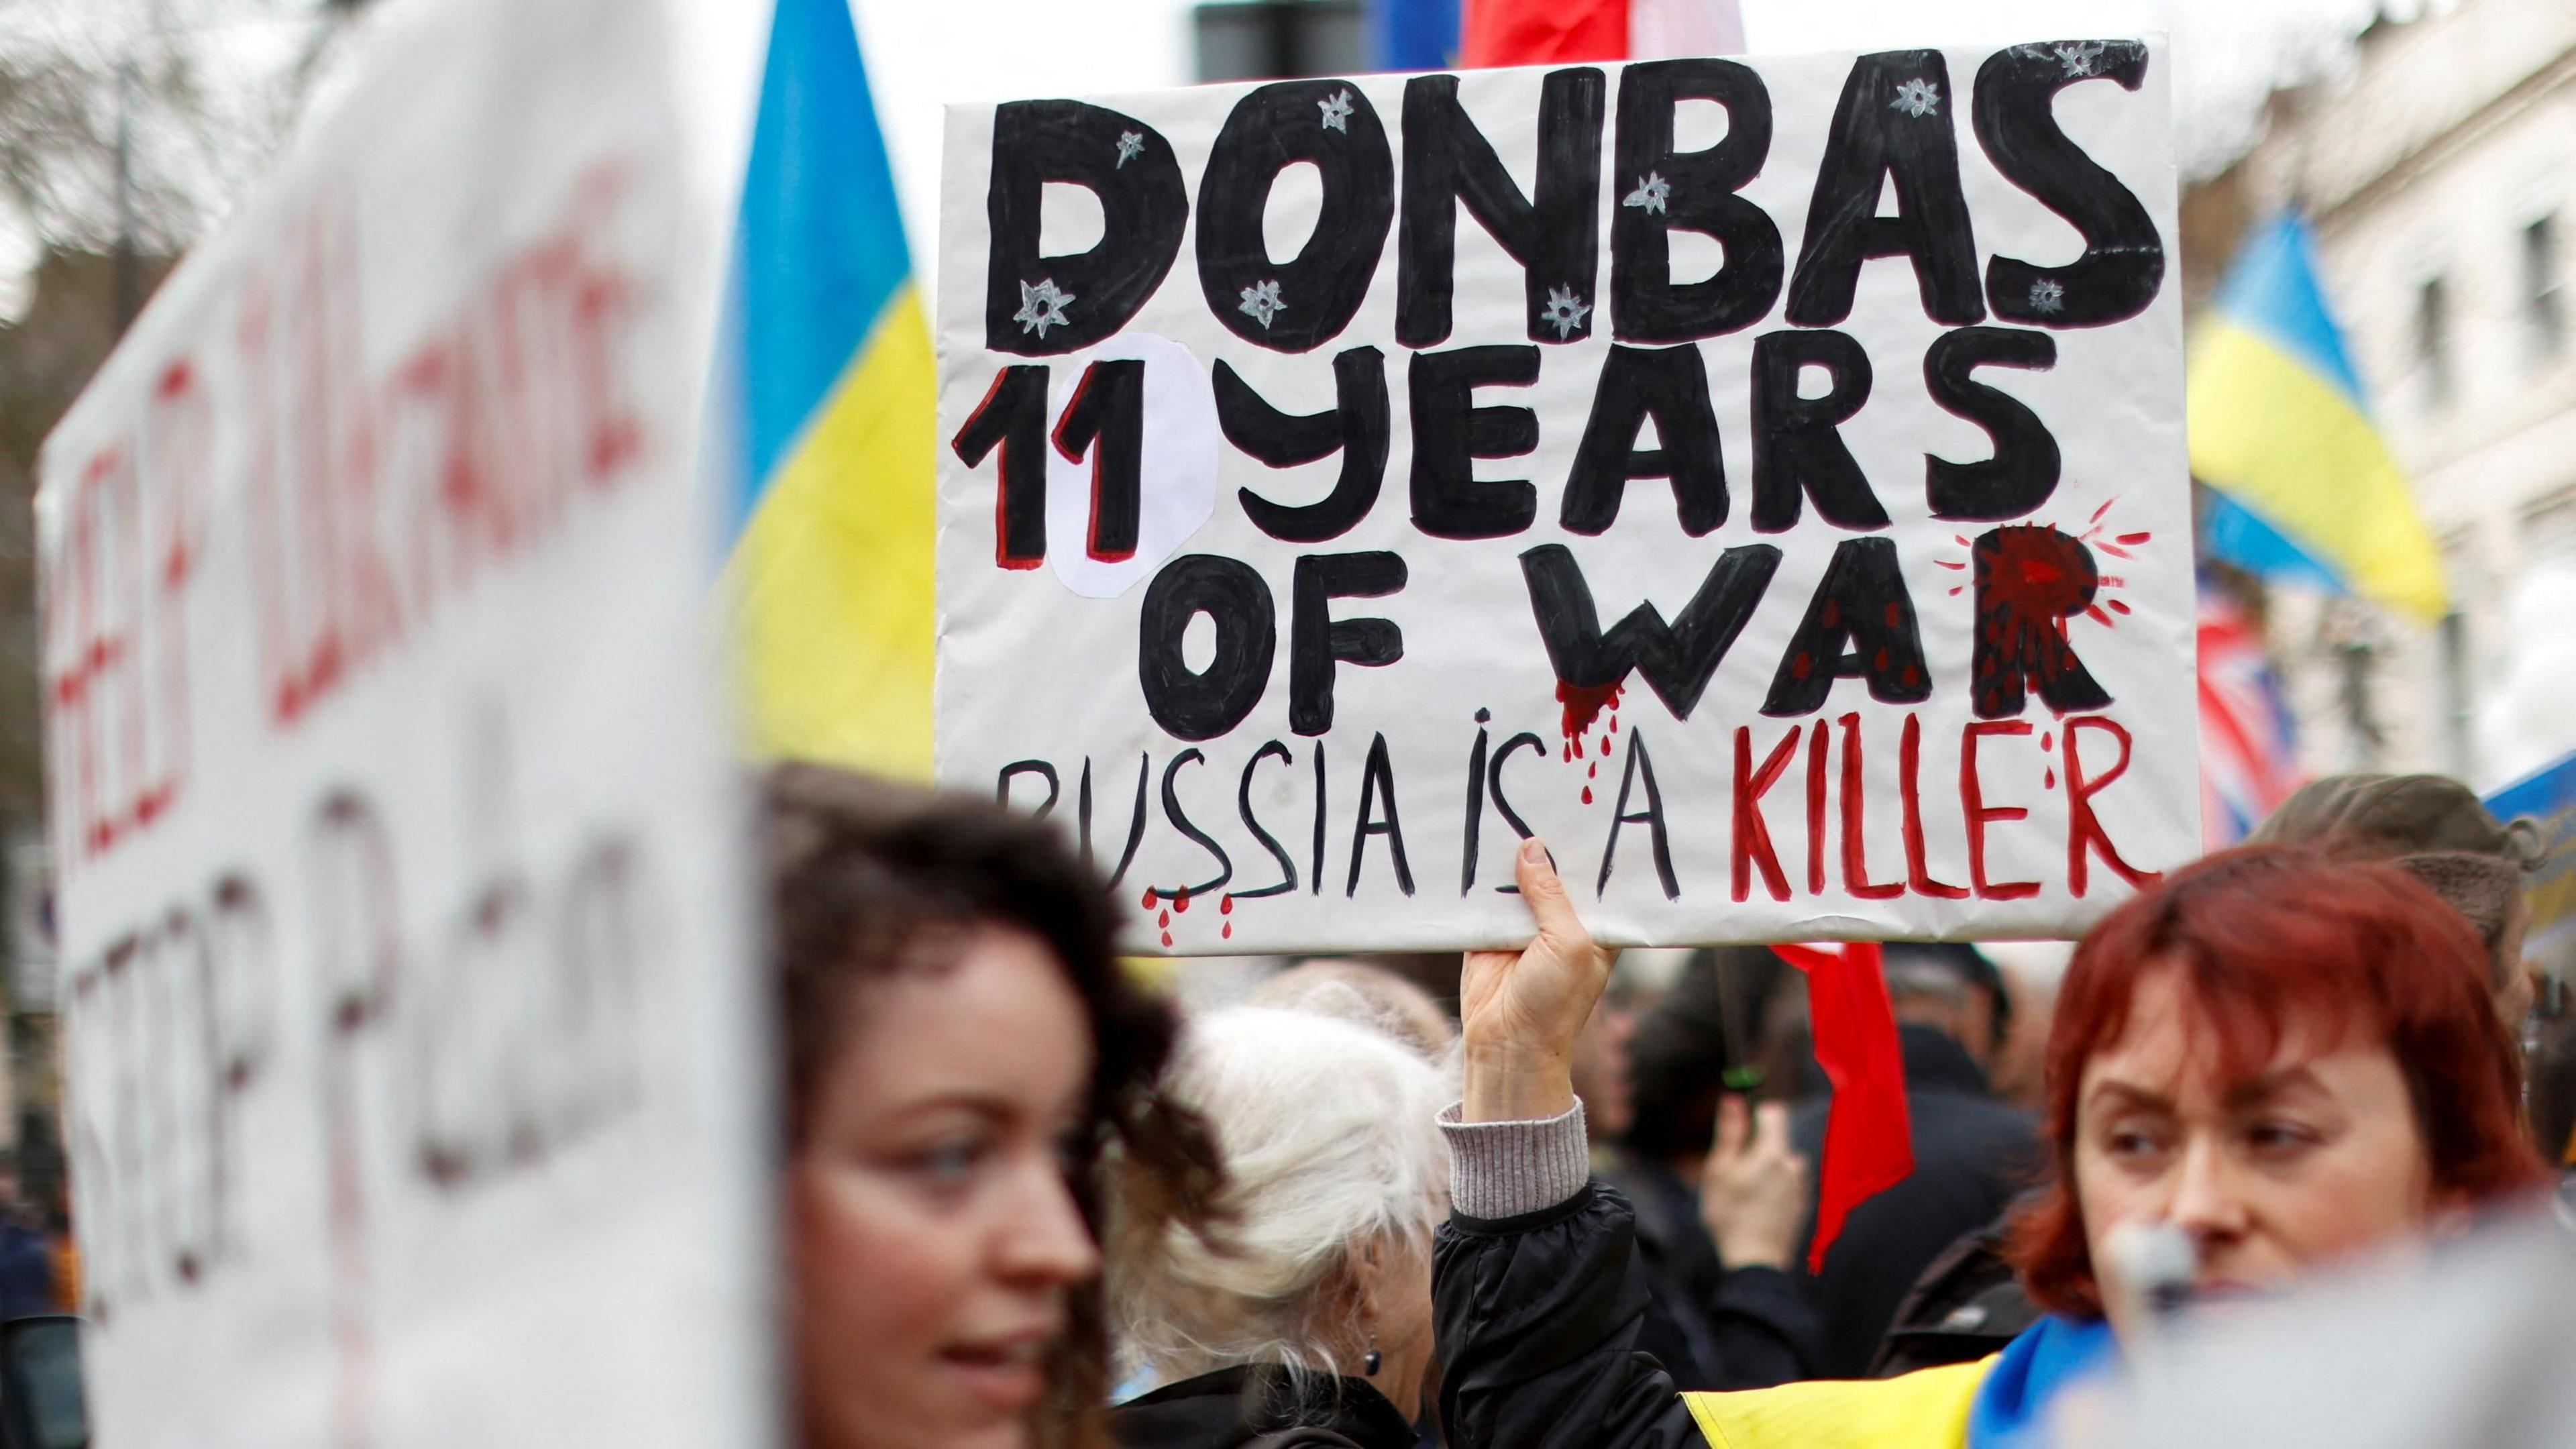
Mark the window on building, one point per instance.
(2549, 528)
(2433, 339)
(2543, 312)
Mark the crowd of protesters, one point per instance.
(1544, 1206)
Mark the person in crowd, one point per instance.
(2435, 829)
(1307, 1309)
(2432, 827)
(961, 1052)
(2289, 1061)
(27, 1283)
(1972, 1154)
(1364, 992)
(1720, 1197)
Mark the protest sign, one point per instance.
(1762, 479)
(409, 1093)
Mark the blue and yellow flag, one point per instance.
(2281, 429)
(828, 405)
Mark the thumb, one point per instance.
(1732, 1124)
(1545, 892)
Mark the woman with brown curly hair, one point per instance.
(2277, 1061)
(962, 1056)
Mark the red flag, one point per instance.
(1546, 32)
(1869, 1135)
(1543, 32)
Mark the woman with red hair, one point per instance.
(2275, 1061)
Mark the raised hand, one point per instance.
(1521, 1010)
(1753, 1191)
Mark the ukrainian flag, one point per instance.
(2281, 429)
(826, 402)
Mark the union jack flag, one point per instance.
(2249, 749)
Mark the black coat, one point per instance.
(1972, 1156)
(1238, 1406)
(1537, 1318)
(1711, 1327)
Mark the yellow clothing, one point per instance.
(1926, 1409)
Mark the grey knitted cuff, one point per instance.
(1505, 1169)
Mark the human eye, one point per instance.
(2280, 1138)
(951, 1161)
(2133, 1141)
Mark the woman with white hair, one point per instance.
(1304, 1318)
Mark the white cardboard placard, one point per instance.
(410, 1090)
(1627, 454)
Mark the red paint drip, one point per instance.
(1228, 932)
(1582, 707)
(1153, 898)
(1181, 901)
(2051, 781)
(1587, 794)
(2134, 539)
(1592, 771)
(1605, 747)
(2105, 508)
(1225, 904)
(1167, 938)
(2094, 613)
(2048, 739)
(2116, 606)
(1164, 919)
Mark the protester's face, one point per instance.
(932, 1234)
(2318, 1158)
(1600, 1070)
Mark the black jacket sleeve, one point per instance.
(1767, 1331)
(1537, 1319)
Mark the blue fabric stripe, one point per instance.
(820, 245)
(2231, 531)
(2010, 1410)
(1413, 34)
(2272, 289)
(2544, 792)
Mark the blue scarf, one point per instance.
(2011, 1407)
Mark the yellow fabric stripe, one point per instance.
(2294, 449)
(831, 581)
(1927, 1409)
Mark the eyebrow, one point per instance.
(2272, 1084)
(2263, 1088)
(2130, 1095)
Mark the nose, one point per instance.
(2206, 1202)
(1043, 1241)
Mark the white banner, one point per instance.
(1763, 479)
(409, 1090)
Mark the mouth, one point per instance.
(1007, 1374)
(2228, 1293)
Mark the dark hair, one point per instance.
(2263, 935)
(859, 872)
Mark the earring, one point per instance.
(1369, 1365)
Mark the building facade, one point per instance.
(2440, 177)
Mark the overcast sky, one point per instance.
(922, 53)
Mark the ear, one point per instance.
(1364, 1265)
(2453, 1216)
